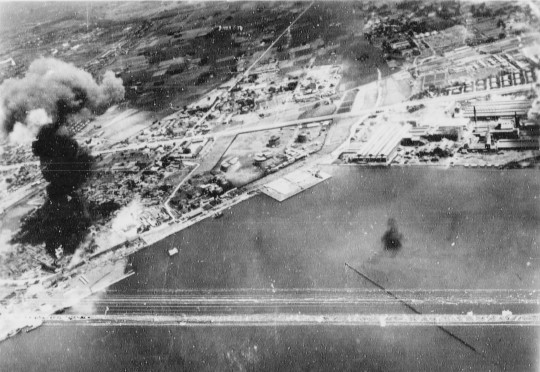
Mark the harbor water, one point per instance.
(454, 231)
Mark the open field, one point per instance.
(117, 125)
(244, 148)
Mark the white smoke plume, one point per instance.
(123, 226)
(21, 134)
(48, 82)
(25, 133)
(128, 217)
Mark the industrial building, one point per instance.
(383, 144)
(517, 144)
(497, 109)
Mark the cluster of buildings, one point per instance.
(15, 154)
(20, 177)
(122, 178)
(323, 83)
(502, 125)
(25, 262)
(304, 144)
(200, 192)
(468, 71)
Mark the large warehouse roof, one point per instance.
(497, 108)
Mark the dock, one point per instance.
(294, 183)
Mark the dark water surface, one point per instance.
(460, 231)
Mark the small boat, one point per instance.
(218, 214)
(173, 251)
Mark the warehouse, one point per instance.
(497, 109)
(382, 145)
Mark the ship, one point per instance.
(173, 251)
(218, 214)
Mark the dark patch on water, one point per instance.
(392, 238)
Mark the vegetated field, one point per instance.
(245, 146)
(318, 109)
(326, 20)
(360, 61)
(118, 124)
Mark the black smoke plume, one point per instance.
(392, 238)
(64, 164)
(40, 105)
(60, 222)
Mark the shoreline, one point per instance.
(170, 228)
(67, 280)
(119, 253)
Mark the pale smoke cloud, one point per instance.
(112, 89)
(21, 134)
(123, 226)
(127, 218)
(25, 133)
(49, 81)
(37, 118)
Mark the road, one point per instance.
(312, 301)
(17, 165)
(166, 204)
(298, 319)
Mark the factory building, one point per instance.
(497, 109)
(517, 144)
(383, 144)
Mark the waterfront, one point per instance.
(462, 229)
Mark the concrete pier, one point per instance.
(287, 186)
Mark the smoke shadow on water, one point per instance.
(392, 239)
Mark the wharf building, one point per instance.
(382, 146)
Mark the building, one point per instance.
(383, 144)
(273, 141)
(497, 109)
(400, 44)
(226, 61)
(517, 144)
(299, 51)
